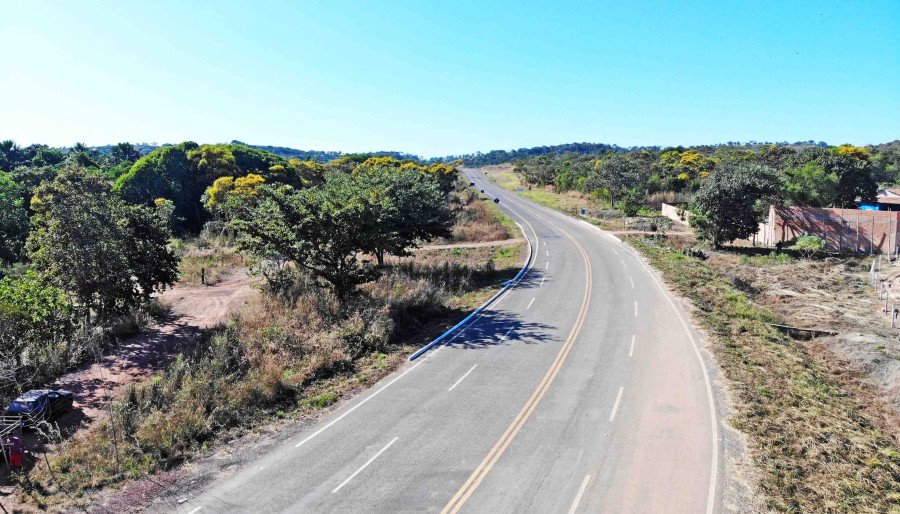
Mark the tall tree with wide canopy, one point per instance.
(165, 173)
(411, 207)
(729, 204)
(108, 255)
(614, 176)
(322, 230)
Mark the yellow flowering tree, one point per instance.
(227, 195)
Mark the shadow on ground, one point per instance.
(495, 328)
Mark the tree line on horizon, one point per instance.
(728, 188)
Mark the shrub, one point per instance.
(809, 245)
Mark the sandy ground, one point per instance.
(483, 244)
(192, 308)
(834, 294)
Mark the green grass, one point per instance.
(763, 261)
(506, 179)
(571, 204)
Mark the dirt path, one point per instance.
(483, 244)
(192, 307)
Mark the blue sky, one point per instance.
(447, 77)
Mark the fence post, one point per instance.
(872, 237)
(856, 250)
(841, 236)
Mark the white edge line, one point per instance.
(612, 415)
(414, 366)
(710, 500)
(631, 351)
(338, 488)
(711, 496)
(366, 399)
(577, 499)
(462, 377)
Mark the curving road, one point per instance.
(580, 390)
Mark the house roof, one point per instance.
(888, 200)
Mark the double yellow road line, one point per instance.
(493, 456)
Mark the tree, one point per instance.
(615, 175)
(165, 173)
(227, 196)
(729, 203)
(152, 265)
(28, 178)
(46, 156)
(107, 255)
(212, 162)
(679, 169)
(408, 207)
(13, 220)
(31, 314)
(854, 172)
(809, 245)
(811, 185)
(9, 155)
(124, 153)
(322, 229)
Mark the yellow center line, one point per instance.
(493, 456)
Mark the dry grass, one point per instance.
(814, 434)
(479, 220)
(288, 354)
(216, 262)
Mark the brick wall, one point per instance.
(671, 211)
(842, 229)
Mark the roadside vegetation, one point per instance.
(820, 411)
(345, 296)
(727, 188)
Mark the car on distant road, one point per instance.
(40, 405)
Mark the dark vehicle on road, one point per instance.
(40, 405)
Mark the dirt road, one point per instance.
(192, 308)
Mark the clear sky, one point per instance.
(447, 77)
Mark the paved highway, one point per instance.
(580, 390)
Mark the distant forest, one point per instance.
(496, 156)
(321, 156)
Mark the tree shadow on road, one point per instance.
(489, 329)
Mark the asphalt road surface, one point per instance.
(580, 390)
